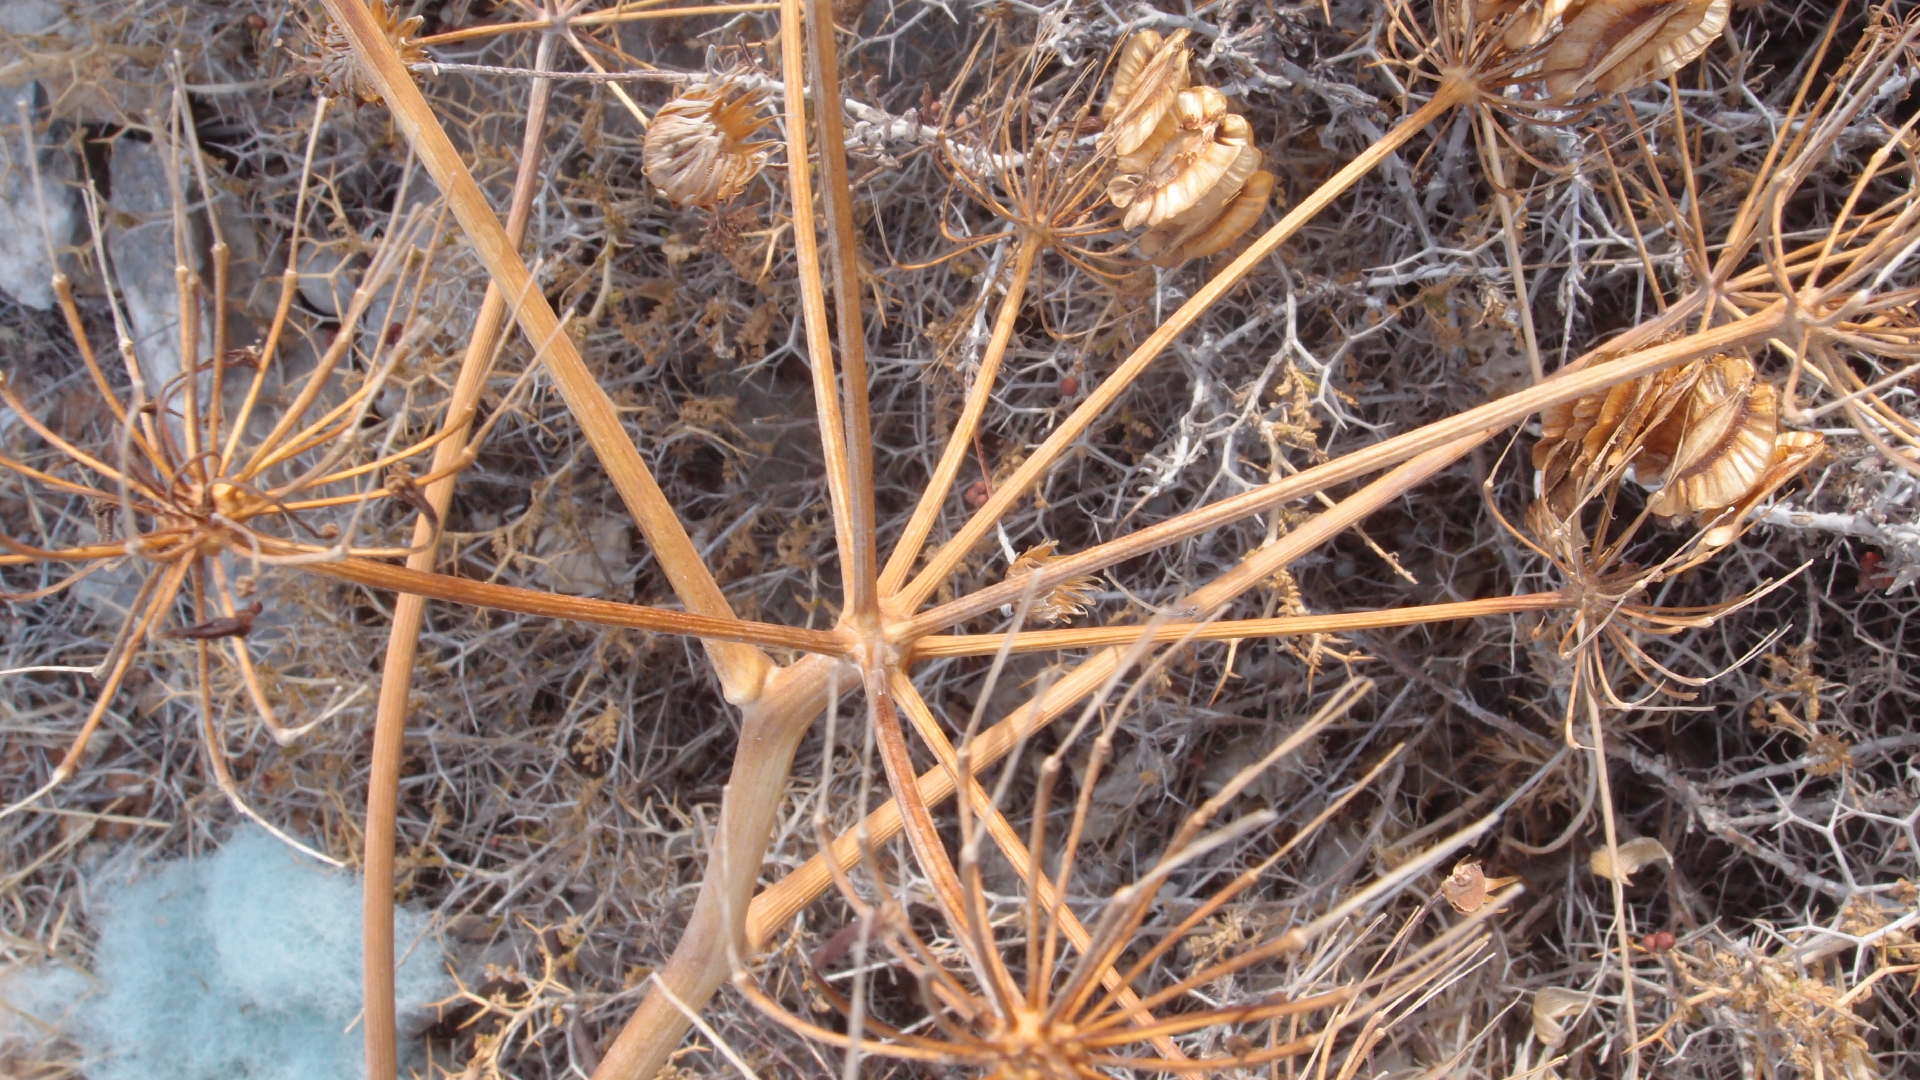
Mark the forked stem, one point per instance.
(948, 557)
(780, 901)
(742, 668)
(940, 484)
(719, 928)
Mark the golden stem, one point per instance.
(741, 668)
(940, 484)
(578, 608)
(932, 647)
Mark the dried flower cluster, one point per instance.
(1609, 46)
(1798, 1014)
(341, 72)
(700, 149)
(1706, 435)
(1188, 170)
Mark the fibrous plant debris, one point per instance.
(658, 640)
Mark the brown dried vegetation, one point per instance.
(701, 700)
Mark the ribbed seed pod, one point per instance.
(1231, 225)
(1147, 75)
(1217, 220)
(1610, 46)
(1707, 435)
(1206, 144)
(1185, 166)
(1793, 451)
(700, 149)
(1721, 445)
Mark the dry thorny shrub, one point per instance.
(203, 515)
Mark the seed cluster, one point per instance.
(1707, 435)
(1187, 167)
(1609, 46)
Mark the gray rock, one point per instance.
(30, 18)
(31, 222)
(327, 275)
(140, 243)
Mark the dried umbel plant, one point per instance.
(1061, 1001)
(1705, 434)
(1186, 166)
(701, 148)
(889, 618)
(1020, 161)
(187, 486)
(342, 73)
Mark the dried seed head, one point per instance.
(1707, 435)
(1793, 451)
(341, 72)
(1720, 445)
(1148, 74)
(1611, 46)
(1469, 888)
(1064, 601)
(1583, 440)
(1211, 224)
(1207, 144)
(700, 149)
(1186, 167)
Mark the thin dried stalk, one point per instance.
(835, 434)
(742, 668)
(926, 512)
(580, 609)
(1008, 840)
(863, 568)
(943, 645)
(409, 609)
